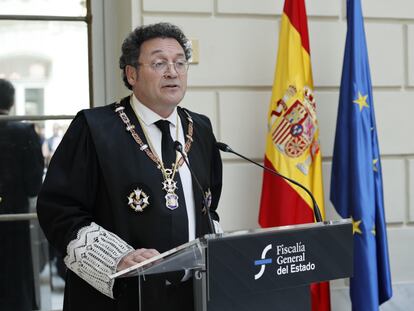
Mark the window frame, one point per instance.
(88, 20)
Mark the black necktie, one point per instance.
(179, 219)
(179, 228)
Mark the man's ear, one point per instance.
(131, 74)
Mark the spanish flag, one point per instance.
(292, 142)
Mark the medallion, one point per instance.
(171, 201)
(207, 201)
(170, 185)
(138, 200)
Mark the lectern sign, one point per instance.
(260, 263)
(263, 262)
(284, 259)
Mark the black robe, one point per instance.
(96, 166)
(21, 170)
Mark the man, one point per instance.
(114, 194)
(21, 170)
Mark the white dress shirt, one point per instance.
(148, 119)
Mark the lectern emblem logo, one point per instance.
(263, 262)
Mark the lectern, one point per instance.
(262, 269)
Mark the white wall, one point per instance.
(232, 85)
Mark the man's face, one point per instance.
(159, 91)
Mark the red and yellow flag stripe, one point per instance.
(292, 142)
(300, 158)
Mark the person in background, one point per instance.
(117, 193)
(50, 144)
(21, 170)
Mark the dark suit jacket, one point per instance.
(21, 169)
(96, 166)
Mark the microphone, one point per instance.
(179, 147)
(316, 210)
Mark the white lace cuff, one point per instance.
(94, 256)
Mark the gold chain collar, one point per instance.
(144, 147)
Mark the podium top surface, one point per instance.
(278, 229)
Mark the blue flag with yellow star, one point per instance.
(356, 183)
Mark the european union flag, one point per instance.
(356, 185)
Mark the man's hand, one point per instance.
(135, 257)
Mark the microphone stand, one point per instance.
(178, 147)
(316, 211)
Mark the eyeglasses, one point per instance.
(161, 66)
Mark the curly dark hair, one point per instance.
(132, 44)
(6, 94)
